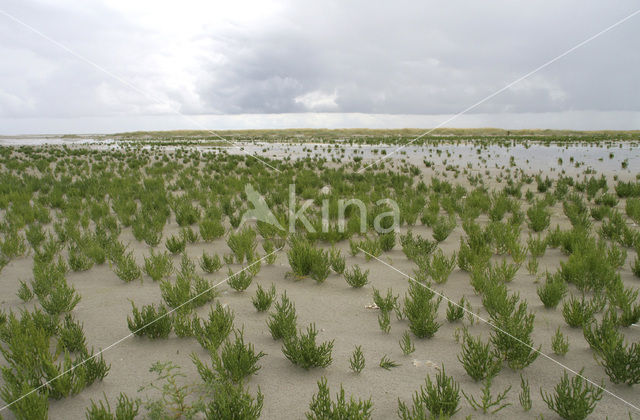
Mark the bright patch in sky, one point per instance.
(282, 62)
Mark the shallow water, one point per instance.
(49, 141)
(529, 157)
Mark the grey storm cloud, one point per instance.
(404, 58)
(338, 57)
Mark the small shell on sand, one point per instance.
(424, 363)
(371, 306)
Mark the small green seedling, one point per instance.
(559, 343)
(357, 362)
(386, 363)
(406, 345)
(263, 299)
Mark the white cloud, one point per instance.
(318, 100)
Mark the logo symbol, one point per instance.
(261, 211)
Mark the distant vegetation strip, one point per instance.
(379, 137)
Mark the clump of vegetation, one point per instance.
(354, 247)
(406, 345)
(320, 269)
(384, 321)
(45, 253)
(421, 309)
(518, 253)
(601, 334)
(183, 323)
(414, 247)
(212, 332)
(503, 272)
(525, 394)
(503, 235)
(537, 246)
(337, 261)
(61, 298)
(126, 409)
(600, 212)
(263, 299)
(305, 260)
(35, 235)
(385, 303)
(240, 280)
(370, 247)
(210, 229)
(228, 259)
(577, 312)
(254, 267)
(186, 213)
(301, 349)
(210, 263)
(619, 359)
(24, 292)
(559, 343)
(243, 244)
(282, 323)
(270, 251)
(127, 269)
(455, 312)
(175, 399)
(487, 403)
(440, 267)
(224, 398)
(473, 255)
(440, 399)
(357, 362)
(635, 267)
(27, 404)
(13, 244)
(443, 227)
(553, 291)
(539, 217)
(79, 260)
(237, 360)
(620, 362)
(532, 266)
(176, 244)
(158, 266)
(512, 335)
(356, 278)
(71, 335)
(189, 289)
(607, 199)
(478, 359)
(321, 406)
(573, 398)
(189, 235)
(151, 321)
(387, 241)
(232, 401)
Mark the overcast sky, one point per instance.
(267, 64)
